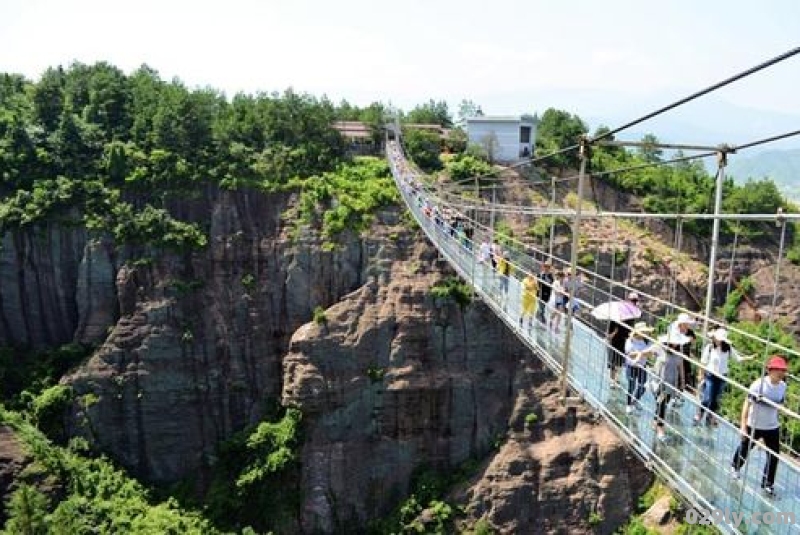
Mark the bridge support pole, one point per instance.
(722, 159)
(552, 218)
(576, 229)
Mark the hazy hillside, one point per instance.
(783, 166)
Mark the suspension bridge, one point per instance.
(694, 460)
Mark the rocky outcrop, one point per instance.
(561, 471)
(13, 460)
(397, 379)
(196, 353)
(404, 385)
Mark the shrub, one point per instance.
(319, 316)
(452, 288)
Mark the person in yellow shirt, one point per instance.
(530, 290)
(503, 271)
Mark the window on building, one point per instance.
(524, 134)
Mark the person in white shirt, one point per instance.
(711, 375)
(558, 299)
(681, 329)
(637, 349)
(759, 420)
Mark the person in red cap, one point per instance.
(759, 420)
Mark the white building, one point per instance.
(505, 139)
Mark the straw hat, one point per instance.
(641, 328)
(683, 317)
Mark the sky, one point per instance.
(606, 61)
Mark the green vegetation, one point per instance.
(89, 145)
(541, 226)
(586, 259)
(376, 374)
(431, 112)
(481, 527)
(655, 492)
(620, 256)
(595, 519)
(464, 166)
(452, 288)
(346, 198)
(504, 235)
(248, 282)
(557, 130)
(96, 496)
(428, 488)
(730, 310)
(23, 374)
(423, 148)
(319, 316)
(256, 476)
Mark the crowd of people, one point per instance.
(661, 362)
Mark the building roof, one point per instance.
(498, 119)
(353, 129)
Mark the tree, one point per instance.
(456, 140)
(48, 98)
(466, 166)
(109, 98)
(374, 116)
(649, 151)
(467, 109)
(558, 130)
(27, 511)
(423, 148)
(431, 113)
(490, 145)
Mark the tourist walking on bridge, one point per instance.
(669, 371)
(621, 316)
(529, 291)
(711, 376)
(545, 289)
(637, 349)
(557, 302)
(681, 331)
(759, 420)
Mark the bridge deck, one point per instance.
(693, 459)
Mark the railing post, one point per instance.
(576, 229)
(722, 158)
(552, 217)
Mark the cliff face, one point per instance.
(193, 346)
(392, 381)
(197, 350)
(56, 286)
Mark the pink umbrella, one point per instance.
(617, 311)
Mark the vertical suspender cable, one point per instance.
(552, 218)
(771, 316)
(733, 258)
(678, 244)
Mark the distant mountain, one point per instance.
(782, 166)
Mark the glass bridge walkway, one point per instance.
(694, 460)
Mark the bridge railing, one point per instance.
(694, 460)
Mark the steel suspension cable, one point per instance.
(702, 92)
